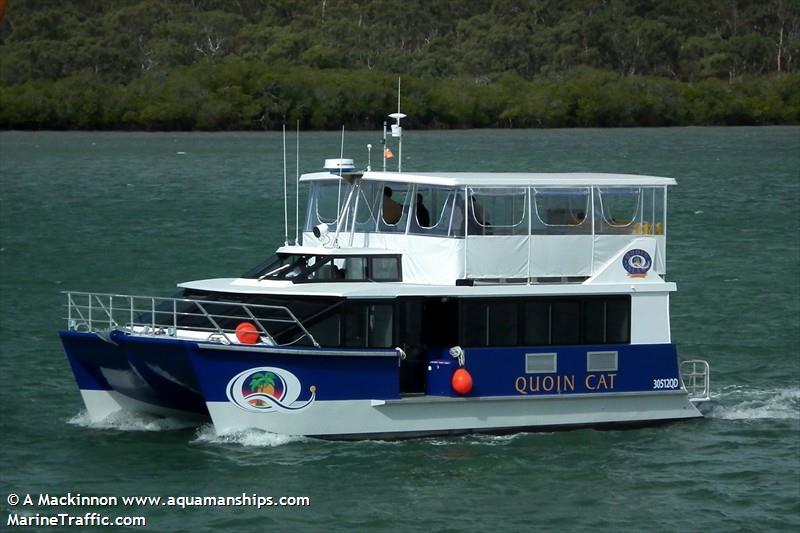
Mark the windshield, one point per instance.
(307, 268)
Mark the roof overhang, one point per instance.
(321, 250)
(506, 179)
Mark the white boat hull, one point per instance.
(419, 416)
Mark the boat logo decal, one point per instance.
(637, 262)
(268, 389)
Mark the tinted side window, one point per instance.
(380, 325)
(594, 329)
(566, 322)
(536, 322)
(368, 325)
(474, 323)
(545, 321)
(618, 321)
(503, 324)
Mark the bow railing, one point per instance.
(184, 318)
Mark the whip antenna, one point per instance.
(339, 190)
(285, 207)
(297, 191)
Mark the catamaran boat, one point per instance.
(414, 303)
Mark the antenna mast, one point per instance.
(397, 130)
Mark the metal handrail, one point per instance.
(696, 381)
(96, 312)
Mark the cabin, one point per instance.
(466, 228)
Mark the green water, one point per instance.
(138, 213)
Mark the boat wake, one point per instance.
(479, 439)
(250, 438)
(749, 403)
(130, 421)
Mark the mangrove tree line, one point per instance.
(250, 64)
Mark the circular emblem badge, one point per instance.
(266, 389)
(637, 262)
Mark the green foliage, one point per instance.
(250, 64)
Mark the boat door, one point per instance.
(427, 324)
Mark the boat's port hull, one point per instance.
(350, 395)
(137, 374)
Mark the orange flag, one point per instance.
(387, 154)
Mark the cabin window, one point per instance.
(366, 268)
(366, 205)
(561, 211)
(284, 266)
(323, 268)
(607, 321)
(474, 323)
(618, 210)
(545, 321)
(498, 211)
(379, 326)
(394, 207)
(594, 329)
(503, 323)
(490, 323)
(565, 322)
(536, 323)
(385, 269)
(652, 211)
(327, 331)
(618, 321)
(302, 266)
(433, 209)
(368, 325)
(327, 198)
(355, 268)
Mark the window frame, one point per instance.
(277, 261)
(483, 305)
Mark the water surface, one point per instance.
(137, 213)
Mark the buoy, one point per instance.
(461, 381)
(247, 333)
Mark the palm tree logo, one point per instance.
(264, 383)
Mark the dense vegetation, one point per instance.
(250, 64)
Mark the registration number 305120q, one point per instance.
(665, 383)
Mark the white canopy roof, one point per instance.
(506, 179)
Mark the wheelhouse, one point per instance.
(518, 228)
